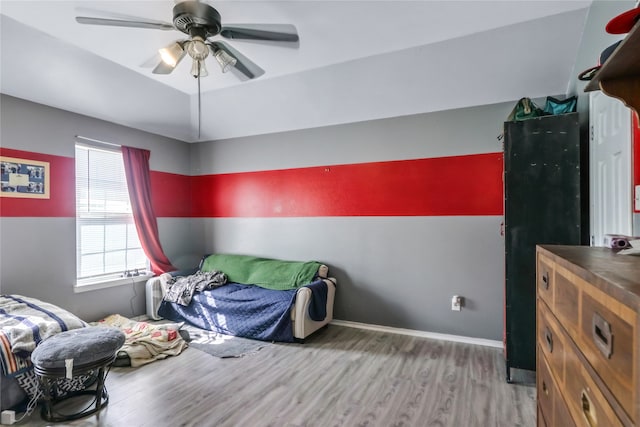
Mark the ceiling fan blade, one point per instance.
(124, 23)
(87, 11)
(244, 65)
(267, 32)
(164, 68)
(150, 61)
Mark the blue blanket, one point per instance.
(318, 303)
(240, 310)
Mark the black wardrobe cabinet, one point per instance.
(543, 204)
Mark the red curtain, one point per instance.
(136, 168)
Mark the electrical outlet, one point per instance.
(456, 303)
(8, 418)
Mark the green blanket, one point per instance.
(263, 272)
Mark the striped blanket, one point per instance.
(24, 322)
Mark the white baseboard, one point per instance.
(422, 334)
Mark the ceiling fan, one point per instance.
(201, 22)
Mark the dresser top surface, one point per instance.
(604, 267)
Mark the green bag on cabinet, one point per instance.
(525, 109)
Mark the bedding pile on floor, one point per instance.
(24, 322)
(145, 342)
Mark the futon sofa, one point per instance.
(265, 299)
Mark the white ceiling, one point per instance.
(356, 60)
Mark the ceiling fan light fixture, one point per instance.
(171, 54)
(199, 69)
(225, 60)
(197, 49)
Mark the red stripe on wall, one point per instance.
(461, 185)
(171, 194)
(62, 200)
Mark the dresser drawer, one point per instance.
(551, 341)
(545, 389)
(608, 342)
(551, 408)
(586, 402)
(544, 278)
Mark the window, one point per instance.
(107, 244)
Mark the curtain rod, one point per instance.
(98, 141)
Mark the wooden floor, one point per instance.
(340, 377)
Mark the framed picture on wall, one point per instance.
(24, 178)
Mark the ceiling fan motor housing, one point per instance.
(196, 19)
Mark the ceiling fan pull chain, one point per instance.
(199, 105)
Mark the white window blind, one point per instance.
(106, 240)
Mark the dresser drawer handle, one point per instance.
(545, 280)
(588, 410)
(544, 388)
(548, 337)
(602, 335)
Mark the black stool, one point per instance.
(71, 355)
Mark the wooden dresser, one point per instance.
(587, 353)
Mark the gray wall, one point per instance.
(392, 271)
(37, 255)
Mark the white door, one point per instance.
(610, 167)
